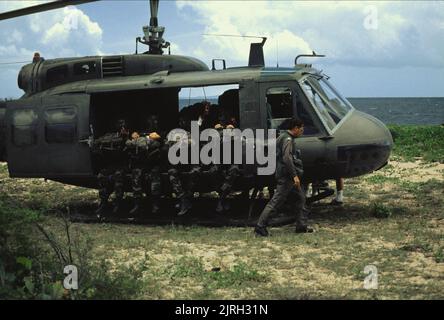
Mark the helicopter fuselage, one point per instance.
(69, 102)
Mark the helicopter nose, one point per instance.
(369, 143)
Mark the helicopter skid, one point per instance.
(203, 213)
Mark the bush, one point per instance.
(32, 260)
(380, 210)
(418, 141)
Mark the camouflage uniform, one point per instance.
(231, 172)
(111, 177)
(137, 149)
(154, 165)
(173, 172)
(183, 193)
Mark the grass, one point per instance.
(392, 219)
(412, 141)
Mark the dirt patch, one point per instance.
(417, 171)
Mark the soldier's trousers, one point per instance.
(119, 180)
(285, 190)
(155, 182)
(231, 174)
(104, 178)
(176, 183)
(136, 182)
(194, 177)
(110, 181)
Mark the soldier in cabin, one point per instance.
(137, 147)
(109, 149)
(231, 172)
(154, 165)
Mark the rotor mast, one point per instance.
(153, 33)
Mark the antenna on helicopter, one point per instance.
(313, 55)
(153, 34)
(256, 56)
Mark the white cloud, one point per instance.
(407, 34)
(72, 28)
(56, 33)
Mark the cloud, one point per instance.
(57, 33)
(72, 28)
(402, 34)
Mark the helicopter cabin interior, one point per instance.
(168, 104)
(229, 104)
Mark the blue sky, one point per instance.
(373, 49)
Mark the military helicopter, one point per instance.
(70, 101)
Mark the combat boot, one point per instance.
(261, 231)
(185, 206)
(303, 229)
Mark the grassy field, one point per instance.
(392, 219)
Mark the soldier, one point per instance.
(185, 196)
(37, 58)
(207, 116)
(196, 173)
(154, 162)
(137, 147)
(289, 171)
(111, 177)
(230, 172)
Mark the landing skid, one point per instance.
(244, 212)
(203, 213)
(323, 193)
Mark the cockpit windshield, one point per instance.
(330, 105)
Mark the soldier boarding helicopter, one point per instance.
(69, 103)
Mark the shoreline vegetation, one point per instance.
(392, 219)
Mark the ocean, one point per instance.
(389, 110)
(403, 110)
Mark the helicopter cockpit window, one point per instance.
(279, 106)
(24, 127)
(61, 125)
(84, 68)
(57, 74)
(331, 106)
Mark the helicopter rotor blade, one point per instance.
(154, 8)
(41, 8)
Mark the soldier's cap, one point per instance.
(218, 126)
(154, 136)
(135, 134)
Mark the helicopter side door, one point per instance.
(48, 136)
(283, 100)
(25, 157)
(65, 135)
